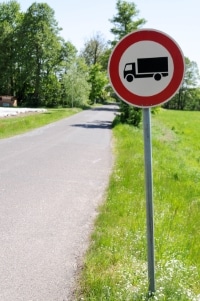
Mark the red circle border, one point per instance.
(178, 61)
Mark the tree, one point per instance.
(124, 22)
(40, 51)
(10, 18)
(98, 81)
(94, 49)
(94, 55)
(187, 95)
(68, 54)
(129, 114)
(35, 61)
(75, 84)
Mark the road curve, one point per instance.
(52, 180)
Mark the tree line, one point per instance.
(40, 68)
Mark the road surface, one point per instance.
(52, 180)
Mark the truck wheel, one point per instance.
(129, 78)
(157, 76)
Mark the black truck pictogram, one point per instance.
(155, 67)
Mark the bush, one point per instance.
(129, 114)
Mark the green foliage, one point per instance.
(10, 18)
(33, 57)
(129, 114)
(96, 54)
(116, 262)
(40, 49)
(124, 23)
(94, 49)
(98, 81)
(187, 97)
(76, 87)
(105, 58)
(51, 89)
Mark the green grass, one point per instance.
(115, 265)
(11, 126)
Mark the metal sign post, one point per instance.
(146, 68)
(149, 197)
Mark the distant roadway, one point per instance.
(52, 180)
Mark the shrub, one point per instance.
(129, 114)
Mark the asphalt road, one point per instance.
(51, 182)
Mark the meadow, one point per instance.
(115, 266)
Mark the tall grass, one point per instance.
(11, 126)
(115, 266)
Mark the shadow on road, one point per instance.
(108, 109)
(99, 123)
(95, 124)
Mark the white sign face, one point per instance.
(146, 68)
(146, 64)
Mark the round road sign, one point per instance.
(146, 68)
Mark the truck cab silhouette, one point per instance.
(155, 67)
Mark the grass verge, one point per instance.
(11, 126)
(115, 266)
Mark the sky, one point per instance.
(80, 20)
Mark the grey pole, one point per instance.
(149, 197)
